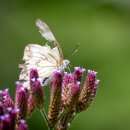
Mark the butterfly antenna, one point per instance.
(74, 51)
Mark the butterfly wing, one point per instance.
(42, 58)
(48, 35)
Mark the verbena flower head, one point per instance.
(6, 98)
(21, 101)
(10, 115)
(70, 81)
(13, 116)
(8, 119)
(31, 105)
(74, 100)
(73, 95)
(22, 125)
(88, 92)
(6, 122)
(33, 74)
(36, 89)
(37, 92)
(78, 72)
(1, 109)
(55, 99)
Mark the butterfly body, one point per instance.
(43, 58)
(64, 65)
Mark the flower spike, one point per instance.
(88, 92)
(21, 100)
(55, 99)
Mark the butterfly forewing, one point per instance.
(42, 58)
(48, 35)
(45, 31)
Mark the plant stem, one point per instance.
(61, 115)
(50, 128)
(73, 117)
(45, 118)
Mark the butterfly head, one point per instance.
(65, 62)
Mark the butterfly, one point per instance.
(43, 58)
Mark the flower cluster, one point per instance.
(13, 114)
(67, 99)
(9, 113)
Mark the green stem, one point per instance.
(73, 117)
(62, 114)
(50, 128)
(43, 112)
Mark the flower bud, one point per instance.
(21, 100)
(6, 123)
(13, 114)
(33, 74)
(37, 92)
(78, 72)
(31, 105)
(73, 95)
(19, 85)
(22, 125)
(1, 109)
(67, 81)
(55, 99)
(6, 98)
(88, 92)
(71, 102)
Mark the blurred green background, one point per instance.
(102, 27)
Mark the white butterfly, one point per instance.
(43, 58)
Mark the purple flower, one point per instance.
(21, 100)
(13, 115)
(31, 105)
(19, 85)
(37, 92)
(22, 125)
(72, 99)
(33, 74)
(6, 123)
(66, 99)
(78, 72)
(73, 95)
(6, 98)
(36, 89)
(1, 109)
(67, 81)
(55, 99)
(88, 92)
